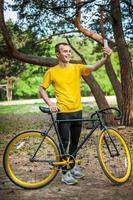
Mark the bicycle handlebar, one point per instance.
(103, 110)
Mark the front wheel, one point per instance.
(114, 156)
(28, 159)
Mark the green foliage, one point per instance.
(47, 17)
(27, 77)
(26, 86)
(28, 83)
(27, 89)
(28, 43)
(50, 91)
(104, 82)
(91, 53)
(85, 90)
(27, 40)
(116, 64)
(8, 67)
(38, 20)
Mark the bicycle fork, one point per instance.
(112, 154)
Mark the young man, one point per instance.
(65, 78)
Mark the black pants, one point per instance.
(69, 131)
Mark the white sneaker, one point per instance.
(77, 173)
(69, 179)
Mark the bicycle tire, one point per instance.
(118, 167)
(18, 165)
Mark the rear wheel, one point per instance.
(28, 159)
(114, 156)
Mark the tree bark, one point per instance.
(108, 65)
(115, 83)
(77, 22)
(125, 63)
(9, 87)
(100, 98)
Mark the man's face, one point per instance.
(64, 53)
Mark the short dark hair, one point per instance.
(57, 49)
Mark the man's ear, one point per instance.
(57, 54)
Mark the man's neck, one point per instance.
(63, 64)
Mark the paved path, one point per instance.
(110, 99)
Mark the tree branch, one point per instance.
(128, 3)
(56, 34)
(11, 52)
(98, 38)
(75, 50)
(5, 33)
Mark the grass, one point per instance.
(32, 108)
(15, 118)
(19, 109)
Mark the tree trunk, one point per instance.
(115, 84)
(100, 98)
(9, 88)
(108, 65)
(125, 63)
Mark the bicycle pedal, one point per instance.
(78, 162)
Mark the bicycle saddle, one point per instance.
(44, 109)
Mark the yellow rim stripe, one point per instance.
(120, 180)
(16, 180)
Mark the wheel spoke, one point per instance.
(114, 156)
(29, 164)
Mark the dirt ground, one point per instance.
(94, 186)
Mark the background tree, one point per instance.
(10, 69)
(125, 63)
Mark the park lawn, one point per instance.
(15, 118)
(19, 109)
(32, 108)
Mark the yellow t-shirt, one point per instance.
(66, 82)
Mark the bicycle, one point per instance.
(32, 158)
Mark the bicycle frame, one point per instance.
(75, 120)
(40, 147)
(100, 123)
